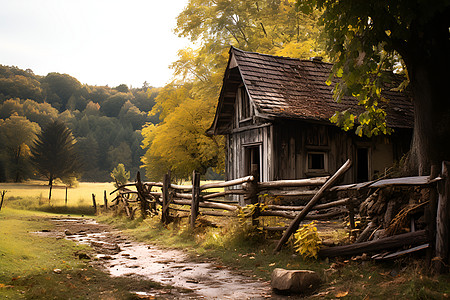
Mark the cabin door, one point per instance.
(252, 160)
(362, 165)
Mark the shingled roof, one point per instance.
(282, 87)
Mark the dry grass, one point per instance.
(38, 190)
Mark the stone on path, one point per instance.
(295, 281)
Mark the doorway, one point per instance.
(252, 160)
(362, 165)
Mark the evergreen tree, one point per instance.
(53, 152)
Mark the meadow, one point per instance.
(80, 194)
(33, 195)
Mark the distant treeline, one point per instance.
(105, 121)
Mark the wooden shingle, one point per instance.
(281, 87)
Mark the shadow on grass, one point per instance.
(66, 210)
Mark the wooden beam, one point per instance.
(217, 213)
(316, 207)
(224, 193)
(208, 205)
(296, 222)
(443, 221)
(293, 183)
(226, 183)
(195, 198)
(289, 193)
(290, 215)
(396, 241)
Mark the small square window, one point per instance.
(317, 161)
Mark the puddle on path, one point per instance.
(171, 267)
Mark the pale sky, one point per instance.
(99, 42)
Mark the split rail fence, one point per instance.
(167, 199)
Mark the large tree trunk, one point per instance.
(427, 58)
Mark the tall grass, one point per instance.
(33, 195)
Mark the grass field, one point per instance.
(33, 266)
(38, 191)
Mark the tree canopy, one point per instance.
(366, 38)
(53, 152)
(100, 117)
(16, 136)
(186, 106)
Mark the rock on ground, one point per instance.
(295, 281)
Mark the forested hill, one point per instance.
(106, 121)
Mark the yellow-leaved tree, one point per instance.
(187, 105)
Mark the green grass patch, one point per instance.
(28, 262)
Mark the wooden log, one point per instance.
(217, 213)
(122, 187)
(165, 199)
(296, 222)
(226, 183)
(181, 187)
(3, 198)
(105, 200)
(275, 228)
(396, 241)
(430, 215)
(127, 208)
(195, 198)
(94, 203)
(252, 193)
(207, 205)
(182, 195)
(317, 181)
(416, 180)
(224, 193)
(366, 233)
(141, 194)
(289, 193)
(351, 217)
(158, 184)
(316, 207)
(403, 252)
(442, 222)
(290, 215)
(353, 186)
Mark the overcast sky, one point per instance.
(99, 42)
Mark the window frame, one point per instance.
(323, 170)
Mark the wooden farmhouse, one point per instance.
(274, 112)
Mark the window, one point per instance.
(317, 162)
(244, 104)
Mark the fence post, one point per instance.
(442, 221)
(94, 203)
(351, 216)
(195, 198)
(430, 215)
(252, 194)
(3, 197)
(105, 199)
(141, 194)
(165, 199)
(66, 196)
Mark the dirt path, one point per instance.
(122, 257)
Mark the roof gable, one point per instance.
(281, 87)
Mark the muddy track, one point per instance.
(120, 256)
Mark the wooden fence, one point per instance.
(167, 199)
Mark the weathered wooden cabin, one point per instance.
(274, 112)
